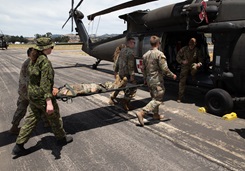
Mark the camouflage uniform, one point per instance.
(83, 89)
(125, 68)
(40, 87)
(22, 101)
(154, 68)
(193, 56)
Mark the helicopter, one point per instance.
(3, 43)
(219, 32)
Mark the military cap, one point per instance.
(43, 43)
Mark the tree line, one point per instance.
(21, 39)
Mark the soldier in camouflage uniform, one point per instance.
(74, 90)
(125, 69)
(154, 68)
(116, 55)
(190, 59)
(23, 102)
(41, 80)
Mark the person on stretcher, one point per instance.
(73, 90)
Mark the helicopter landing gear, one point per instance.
(94, 66)
(218, 102)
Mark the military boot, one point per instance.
(19, 150)
(140, 115)
(156, 116)
(14, 129)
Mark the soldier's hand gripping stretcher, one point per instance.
(69, 91)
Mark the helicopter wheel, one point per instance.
(218, 102)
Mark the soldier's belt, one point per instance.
(66, 98)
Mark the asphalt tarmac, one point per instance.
(109, 138)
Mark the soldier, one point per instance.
(74, 90)
(125, 69)
(154, 68)
(190, 59)
(116, 55)
(23, 102)
(41, 80)
(117, 78)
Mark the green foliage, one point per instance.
(55, 38)
(14, 39)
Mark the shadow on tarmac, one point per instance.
(240, 132)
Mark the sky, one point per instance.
(29, 17)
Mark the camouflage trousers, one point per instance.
(31, 120)
(22, 104)
(157, 93)
(128, 93)
(183, 77)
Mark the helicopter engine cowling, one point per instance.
(79, 14)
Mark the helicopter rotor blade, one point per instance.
(72, 13)
(72, 4)
(66, 21)
(78, 5)
(119, 7)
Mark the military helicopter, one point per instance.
(3, 43)
(219, 32)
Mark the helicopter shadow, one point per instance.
(240, 132)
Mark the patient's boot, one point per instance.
(156, 116)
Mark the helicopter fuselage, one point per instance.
(219, 32)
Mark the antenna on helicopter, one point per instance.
(71, 14)
(119, 7)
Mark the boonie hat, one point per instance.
(43, 43)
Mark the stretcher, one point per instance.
(67, 97)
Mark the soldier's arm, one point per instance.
(116, 65)
(144, 68)
(164, 66)
(47, 77)
(180, 56)
(131, 66)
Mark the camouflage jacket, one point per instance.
(155, 66)
(41, 80)
(125, 62)
(193, 56)
(24, 78)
